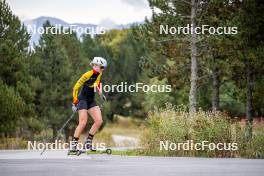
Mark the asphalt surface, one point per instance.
(25, 163)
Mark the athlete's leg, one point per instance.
(82, 122)
(95, 113)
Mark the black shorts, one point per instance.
(86, 104)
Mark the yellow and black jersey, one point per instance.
(88, 81)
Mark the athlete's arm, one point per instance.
(86, 76)
(97, 84)
(99, 89)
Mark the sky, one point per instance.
(83, 11)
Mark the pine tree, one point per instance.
(17, 85)
(53, 68)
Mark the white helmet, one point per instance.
(100, 61)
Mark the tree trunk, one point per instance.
(194, 68)
(249, 106)
(54, 132)
(216, 85)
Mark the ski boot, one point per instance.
(73, 148)
(87, 147)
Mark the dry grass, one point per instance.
(125, 126)
(174, 124)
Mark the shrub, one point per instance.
(174, 125)
(13, 143)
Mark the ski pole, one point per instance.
(60, 130)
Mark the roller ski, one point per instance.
(91, 151)
(87, 148)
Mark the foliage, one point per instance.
(174, 125)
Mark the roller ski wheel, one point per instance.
(108, 151)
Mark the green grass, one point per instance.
(128, 152)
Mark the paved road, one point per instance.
(25, 163)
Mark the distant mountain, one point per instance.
(35, 27)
